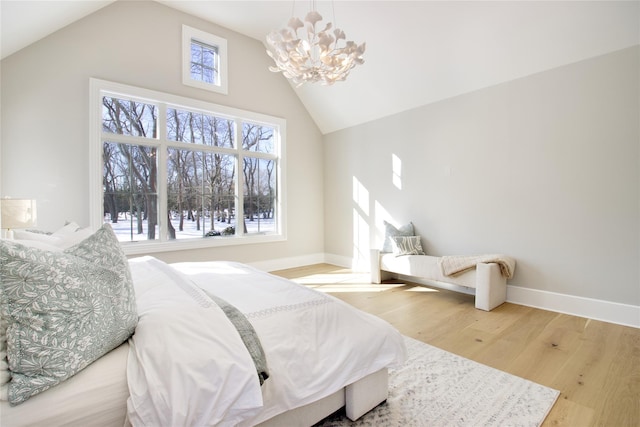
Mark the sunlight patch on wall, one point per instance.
(361, 240)
(396, 168)
(380, 214)
(361, 196)
(361, 245)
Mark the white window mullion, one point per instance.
(281, 196)
(163, 217)
(96, 196)
(237, 134)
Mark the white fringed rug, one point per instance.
(436, 388)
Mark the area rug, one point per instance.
(436, 388)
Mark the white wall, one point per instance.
(45, 110)
(544, 168)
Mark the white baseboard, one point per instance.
(341, 261)
(607, 311)
(291, 262)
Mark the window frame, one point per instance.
(100, 88)
(202, 37)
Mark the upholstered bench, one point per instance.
(402, 255)
(489, 279)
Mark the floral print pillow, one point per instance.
(63, 309)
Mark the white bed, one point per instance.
(322, 355)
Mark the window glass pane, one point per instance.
(258, 138)
(208, 75)
(208, 57)
(259, 195)
(184, 194)
(201, 194)
(124, 117)
(198, 128)
(219, 193)
(196, 72)
(203, 62)
(196, 54)
(130, 190)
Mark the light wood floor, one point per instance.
(595, 365)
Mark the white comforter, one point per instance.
(188, 365)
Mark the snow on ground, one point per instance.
(125, 226)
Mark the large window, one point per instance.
(172, 172)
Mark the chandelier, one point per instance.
(303, 53)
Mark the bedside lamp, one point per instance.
(17, 213)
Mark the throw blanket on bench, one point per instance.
(451, 265)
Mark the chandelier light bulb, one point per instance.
(303, 53)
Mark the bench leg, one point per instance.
(376, 276)
(491, 286)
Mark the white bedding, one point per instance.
(187, 364)
(314, 344)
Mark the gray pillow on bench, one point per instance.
(391, 231)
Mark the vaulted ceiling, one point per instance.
(418, 52)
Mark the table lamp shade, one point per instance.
(18, 213)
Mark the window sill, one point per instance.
(145, 247)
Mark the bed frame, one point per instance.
(357, 398)
(56, 407)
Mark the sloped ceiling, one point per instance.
(418, 52)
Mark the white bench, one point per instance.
(487, 279)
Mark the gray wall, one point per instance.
(544, 168)
(45, 113)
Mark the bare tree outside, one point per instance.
(130, 171)
(202, 172)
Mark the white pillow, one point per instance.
(25, 235)
(72, 234)
(63, 238)
(68, 229)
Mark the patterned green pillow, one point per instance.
(64, 309)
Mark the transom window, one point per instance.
(204, 60)
(180, 172)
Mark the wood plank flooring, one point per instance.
(595, 365)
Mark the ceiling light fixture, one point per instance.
(304, 54)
